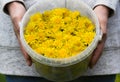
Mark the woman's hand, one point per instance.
(17, 11)
(102, 13)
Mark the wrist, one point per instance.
(103, 9)
(15, 6)
(102, 12)
(16, 11)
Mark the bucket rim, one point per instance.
(63, 61)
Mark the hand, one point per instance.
(102, 13)
(16, 11)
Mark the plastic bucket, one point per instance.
(68, 68)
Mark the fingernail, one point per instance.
(28, 63)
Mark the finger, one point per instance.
(26, 56)
(97, 52)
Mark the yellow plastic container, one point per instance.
(68, 68)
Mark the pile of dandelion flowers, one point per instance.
(59, 33)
